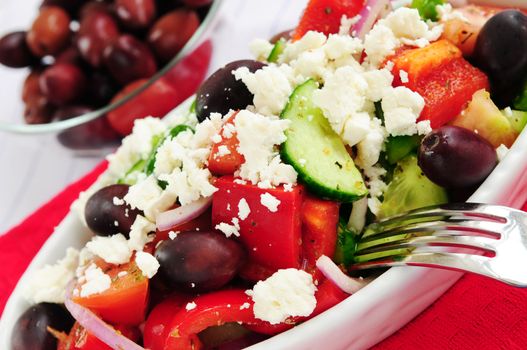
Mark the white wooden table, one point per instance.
(35, 168)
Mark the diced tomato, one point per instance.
(448, 91)
(272, 239)
(80, 339)
(226, 164)
(444, 79)
(201, 223)
(325, 15)
(253, 271)
(125, 301)
(319, 231)
(158, 321)
(213, 309)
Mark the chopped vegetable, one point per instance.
(346, 245)
(427, 8)
(398, 147)
(278, 48)
(316, 152)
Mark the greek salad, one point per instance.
(219, 227)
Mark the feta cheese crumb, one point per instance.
(139, 233)
(118, 201)
(287, 293)
(223, 151)
(147, 263)
(122, 274)
(269, 201)
(113, 249)
(260, 49)
(190, 306)
(245, 306)
(48, 284)
(346, 24)
(243, 209)
(229, 230)
(258, 137)
(96, 281)
(404, 76)
(173, 234)
(402, 107)
(216, 138)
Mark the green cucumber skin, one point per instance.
(277, 50)
(292, 151)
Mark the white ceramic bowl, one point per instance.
(362, 320)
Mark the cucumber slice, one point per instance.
(316, 152)
(278, 48)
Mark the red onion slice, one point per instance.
(335, 275)
(372, 10)
(103, 331)
(183, 214)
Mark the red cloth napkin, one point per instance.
(476, 313)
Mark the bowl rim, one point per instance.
(203, 31)
(417, 287)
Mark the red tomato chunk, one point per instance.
(272, 239)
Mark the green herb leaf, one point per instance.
(427, 8)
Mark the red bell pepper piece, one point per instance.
(319, 231)
(213, 309)
(272, 239)
(226, 164)
(442, 76)
(325, 16)
(158, 321)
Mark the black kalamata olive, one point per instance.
(222, 92)
(455, 157)
(501, 52)
(199, 261)
(30, 331)
(106, 218)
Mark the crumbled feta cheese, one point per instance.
(147, 263)
(146, 195)
(401, 27)
(122, 274)
(245, 306)
(190, 306)
(243, 209)
(404, 76)
(287, 293)
(288, 187)
(139, 233)
(240, 182)
(271, 87)
(117, 201)
(173, 234)
(216, 138)
(229, 230)
(258, 137)
(508, 111)
(223, 151)
(261, 49)
(445, 12)
(136, 146)
(113, 249)
(369, 149)
(96, 281)
(270, 202)
(501, 152)
(401, 107)
(342, 95)
(310, 41)
(48, 284)
(346, 24)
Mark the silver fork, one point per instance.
(485, 239)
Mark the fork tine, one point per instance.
(392, 247)
(451, 261)
(487, 228)
(429, 216)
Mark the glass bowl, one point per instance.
(185, 71)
